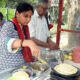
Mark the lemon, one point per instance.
(70, 54)
(24, 67)
(70, 57)
(65, 56)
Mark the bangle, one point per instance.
(21, 42)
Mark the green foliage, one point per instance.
(3, 10)
(65, 16)
(2, 3)
(11, 13)
(13, 3)
(56, 13)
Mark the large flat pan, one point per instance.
(73, 75)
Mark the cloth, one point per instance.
(8, 45)
(50, 26)
(38, 28)
(3, 21)
(26, 50)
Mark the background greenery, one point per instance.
(13, 3)
(11, 13)
(7, 4)
(7, 7)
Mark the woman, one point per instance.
(15, 44)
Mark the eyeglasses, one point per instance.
(44, 8)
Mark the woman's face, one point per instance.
(24, 17)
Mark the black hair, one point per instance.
(1, 16)
(23, 7)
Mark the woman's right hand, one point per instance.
(34, 49)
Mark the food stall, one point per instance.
(39, 70)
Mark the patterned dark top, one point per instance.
(8, 59)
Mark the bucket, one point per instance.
(76, 55)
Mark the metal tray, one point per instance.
(39, 66)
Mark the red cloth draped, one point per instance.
(26, 50)
(50, 26)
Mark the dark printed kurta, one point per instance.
(9, 59)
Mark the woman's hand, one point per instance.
(34, 49)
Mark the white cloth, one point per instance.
(9, 46)
(38, 27)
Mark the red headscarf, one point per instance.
(26, 50)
